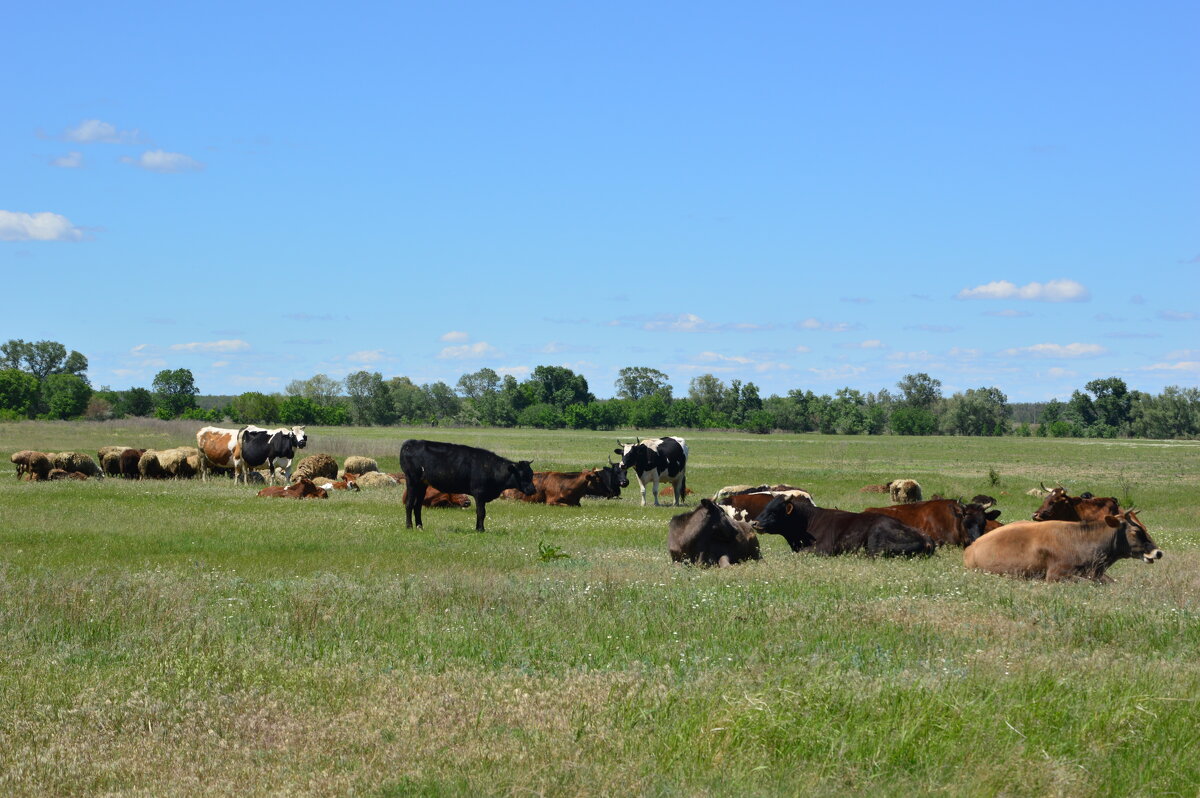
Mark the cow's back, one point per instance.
(1021, 548)
(450, 467)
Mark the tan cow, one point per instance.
(1054, 550)
(218, 449)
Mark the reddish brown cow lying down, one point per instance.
(1054, 550)
(433, 496)
(304, 489)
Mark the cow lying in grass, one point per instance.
(304, 489)
(708, 536)
(1055, 550)
(839, 532)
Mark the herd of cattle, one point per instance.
(1068, 536)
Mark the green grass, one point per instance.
(190, 639)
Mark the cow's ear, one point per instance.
(1112, 521)
(787, 508)
(992, 516)
(617, 451)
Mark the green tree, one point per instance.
(320, 389)
(370, 399)
(637, 382)
(907, 420)
(982, 411)
(410, 404)
(65, 395)
(137, 402)
(299, 410)
(849, 410)
(707, 390)
(443, 403)
(174, 392)
(478, 384)
(254, 407)
(1113, 402)
(556, 385)
(649, 411)
(542, 415)
(18, 392)
(920, 390)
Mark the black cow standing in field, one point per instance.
(839, 532)
(454, 468)
(271, 446)
(657, 460)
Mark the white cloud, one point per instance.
(234, 345)
(1059, 350)
(220, 364)
(1184, 365)
(454, 336)
(165, 162)
(874, 343)
(771, 365)
(838, 372)
(684, 322)
(46, 226)
(1057, 371)
(1008, 313)
(72, 160)
(477, 349)
(516, 371)
(828, 326)
(1052, 291)
(714, 357)
(1177, 315)
(956, 351)
(366, 356)
(922, 355)
(554, 347)
(91, 130)
(802, 349)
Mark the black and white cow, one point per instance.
(275, 447)
(657, 460)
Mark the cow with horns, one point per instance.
(657, 460)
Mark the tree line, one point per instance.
(43, 380)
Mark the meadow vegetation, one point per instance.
(186, 638)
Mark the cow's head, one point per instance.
(522, 474)
(737, 537)
(1056, 507)
(300, 436)
(631, 454)
(619, 474)
(974, 520)
(1132, 533)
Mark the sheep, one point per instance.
(77, 462)
(149, 467)
(316, 466)
(359, 465)
(904, 491)
(128, 463)
(182, 462)
(376, 479)
(34, 465)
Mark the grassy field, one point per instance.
(190, 639)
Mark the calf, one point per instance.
(612, 479)
(839, 532)
(708, 536)
(435, 497)
(304, 489)
(455, 468)
(946, 521)
(562, 488)
(1054, 550)
(657, 460)
(1058, 506)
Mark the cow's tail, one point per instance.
(682, 492)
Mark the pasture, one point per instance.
(181, 638)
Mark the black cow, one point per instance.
(612, 479)
(708, 536)
(454, 468)
(838, 532)
(271, 446)
(655, 460)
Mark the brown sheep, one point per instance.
(77, 462)
(34, 465)
(129, 459)
(904, 491)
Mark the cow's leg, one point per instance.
(480, 512)
(642, 488)
(656, 504)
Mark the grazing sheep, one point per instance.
(360, 465)
(149, 466)
(129, 460)
(35, 465)
(108, 456)
(904, 491)
(182, 462)
(376, 479)
(77, 462)
(316, 466)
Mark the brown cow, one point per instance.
(304, 489)
(947, 521)
(433, 496)
(708, 536)
(753, 503)
(218, 449)
(1058, 506)
(1054, 550)
(349, 483)
(562, 488)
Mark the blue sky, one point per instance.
(801, 195)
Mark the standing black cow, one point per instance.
(275, 447)
(655, 460)
(454, 468)
(838, 532)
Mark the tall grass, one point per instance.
(190, 639)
